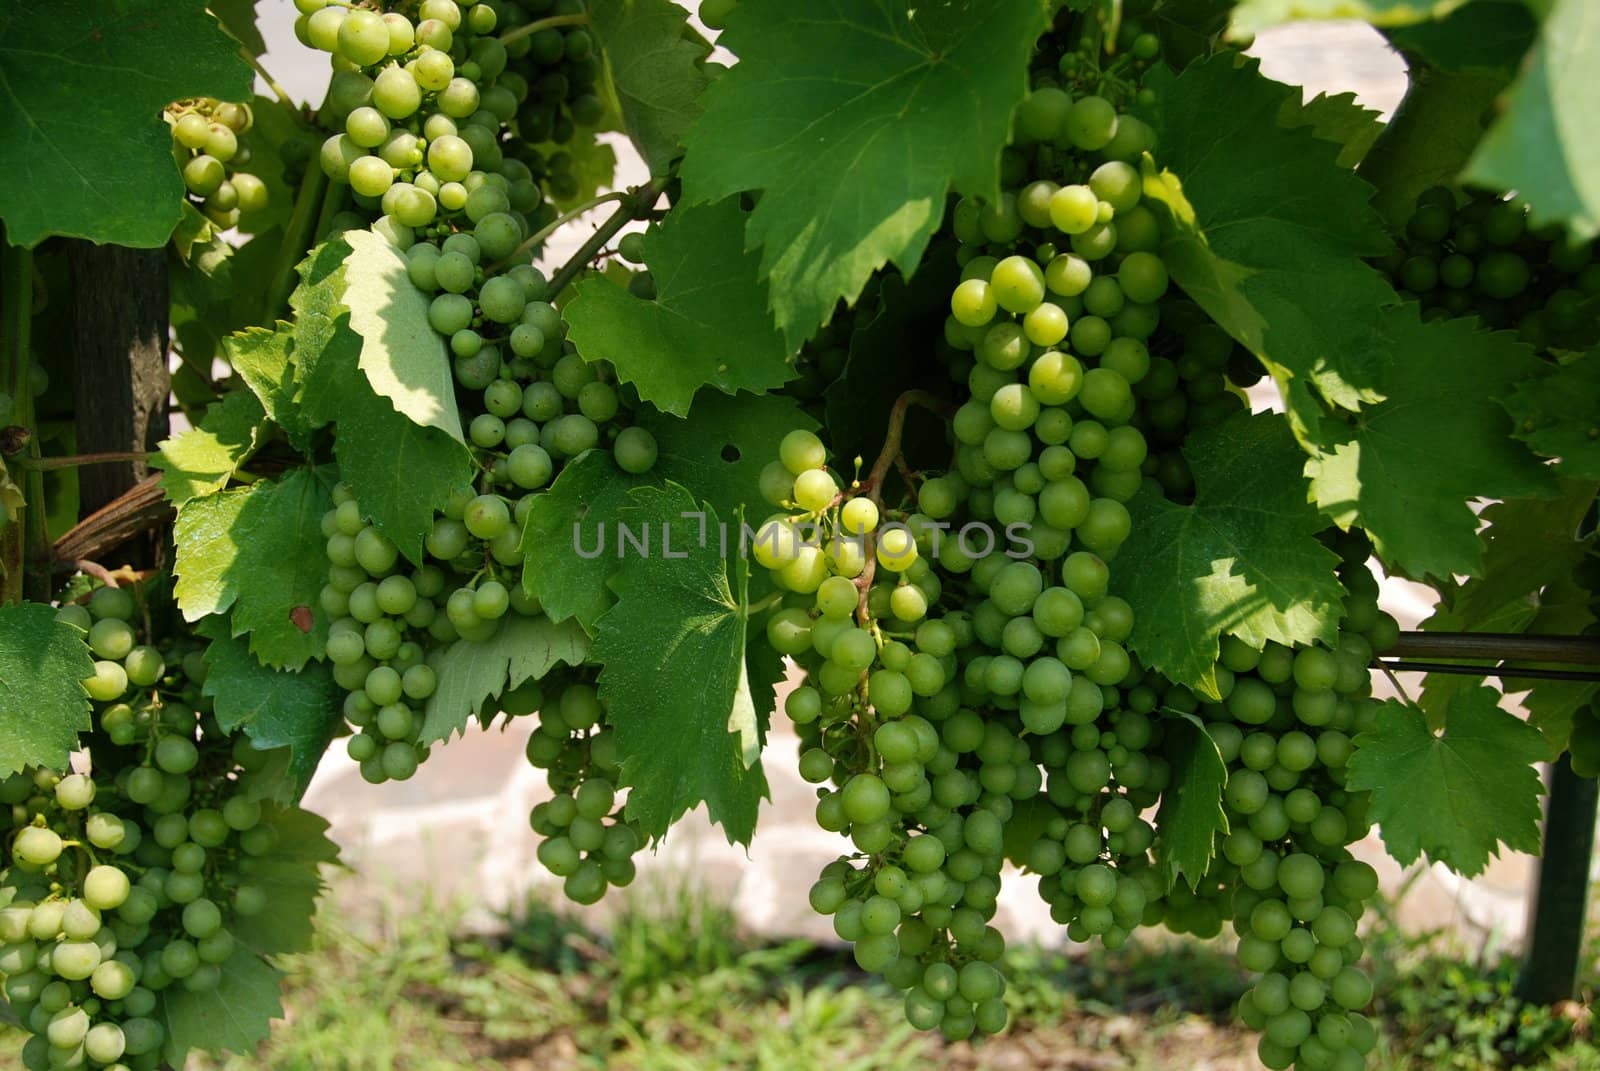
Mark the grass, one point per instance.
(675, 987)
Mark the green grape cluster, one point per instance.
(1284, 727)
(119, 885)
(424, 108)
(1473, 253)
(393, 621)
(587, 841)
(208, 140)
(561, 66)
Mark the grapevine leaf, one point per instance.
(1564, 610)
(298, 710)
(572, 538)
(591, 162)
(1558, 414)
(402, 355)
(325, 347)
(1530, 543)
(709, 324)
(1531, 552)
(1262, 215)
(233, 1017)
(401, 473)
(290, 875)
(202, 460)
(1026, 826)
(723, 445)
(1243, 560)
(1252, 16)
(655, 63)
(238, 17)
(1385, 470)
(259, 551)
(682, 738)
(888, 354)
(1485, 35)
(1543, 145)
(43, 706)
(472, 672)
(1191, 815)
(81, 93)
(1189, 29)
(1339, 119)
(1454, 797)
(856, 119)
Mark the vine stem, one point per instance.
(872, 486)
(1571, 650)
(551, 23)
(266, 76)
(637, 200)
(48, 464)
(297, 235)
(543, 233)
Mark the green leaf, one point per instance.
(402, 473)
(1543, 144)
(524, 648)
(234, 1017)
(202, 460)
(888, 354)
(43, 706)
(298, 710)
(291, 876)
(570, 540)
(722, 447)
(1429, 138)
(1191, 815)
(1386, 471)
(1189, 29)
(1252, 16)
(682, 737)
(402, 355)
(1454, 797)
(709, 324)
(655, 63)
(238, 17)
(258, 551)
(81, 92)
(1558, 414)
(591, 161)
(1339, 119)
(1243, 560)
(325, 349)
(1262, 215)
(856, 120)
(1531, 553)
(1029, 818)
(1485, 35)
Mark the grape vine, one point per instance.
(1043, 381)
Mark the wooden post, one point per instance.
(1561, 893)
(119, 361)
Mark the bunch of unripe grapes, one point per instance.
(1473, 253)
(208, 141)
(1285, 728)
(424, 107)
(561, 66)
(917, 899)
(587, 840)
(118, 885)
